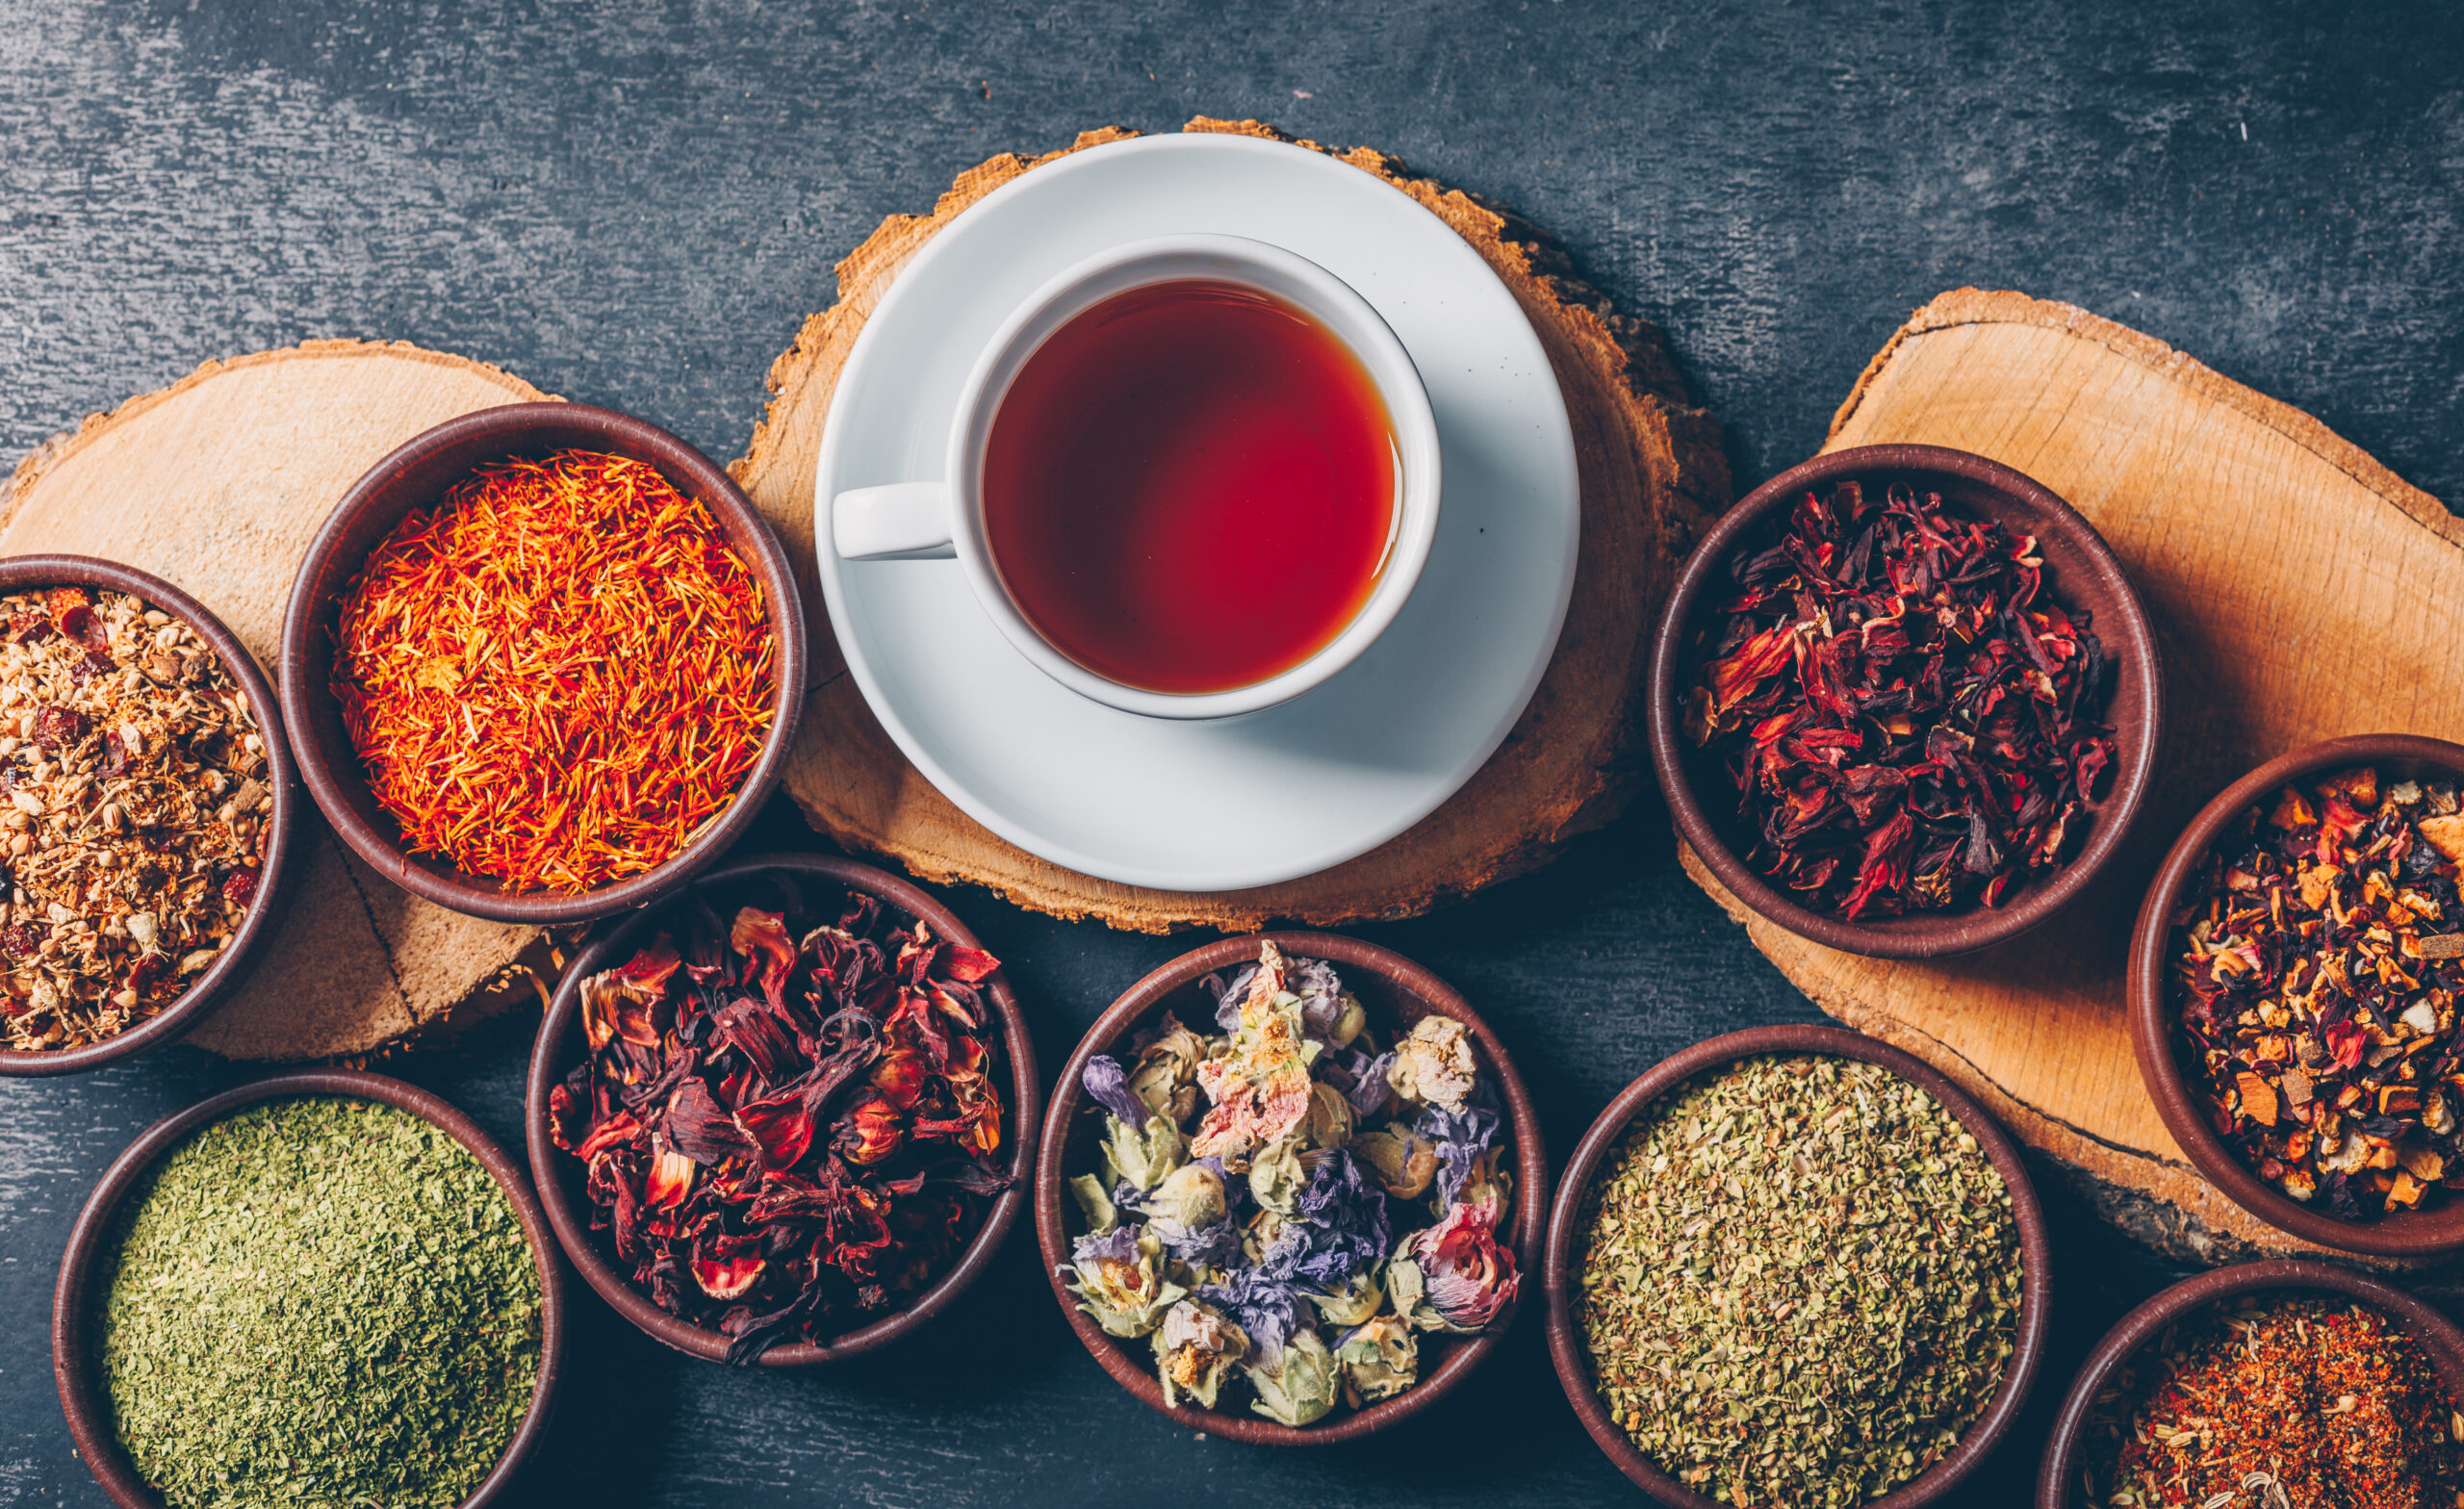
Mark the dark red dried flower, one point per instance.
(785, 1139)
(1911, 719)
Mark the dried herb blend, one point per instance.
(1911, 717)
(558, 676)
(789, 1126)
(2318, 961)
(1799, 1282)
(2276, 1401)
(133, 802)
(319, 1301)
(1286, 1207)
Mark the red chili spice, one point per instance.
(1909, 716)
(559, 674)
(2318, 964)
(2277, 1402)
(786, 1138)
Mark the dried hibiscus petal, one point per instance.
(785, 1139)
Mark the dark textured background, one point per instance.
(638, 204)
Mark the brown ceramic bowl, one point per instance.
(417, 475)
(2065, 1455)
(1396, 992)
(560, 1047)
(2404, 1234)
(2081, 571)
(82, 1395)
(1565, 1345)
(27, 573)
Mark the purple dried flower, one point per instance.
(1341, 1228)
(1109, 1084)
(1264, 1306)
(1228, 994)
(1462, 1136)
(1119, 1244)
(1369, 1091)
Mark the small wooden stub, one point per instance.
(1650, 466)
(2300, 590)
(217, 484)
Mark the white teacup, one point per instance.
(946, 518)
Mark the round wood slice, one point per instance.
(1651, 468)
(217, 483)
(2300, 591)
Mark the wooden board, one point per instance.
(217, 483)
(1650, 466)
(2300, 591)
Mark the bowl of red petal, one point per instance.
(785, 1119)
(1290, 1189)
(2295, 983)
(543, 663)
(1904, 702)
(2270, 1385)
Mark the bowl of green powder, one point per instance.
(321, 1288)
(1796, 1267)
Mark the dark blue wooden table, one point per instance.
(638, 204)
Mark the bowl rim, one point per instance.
(1139, 1001)
(572, 1225)
(2437, 1335)
(306, 699)
(2408, 1234)
(73, 1370)
(2128, 635)
(210, 990)
(2027, 1357)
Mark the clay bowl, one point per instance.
(418, 474)
(1565, 1343)
(26, 572)
(1396, 992)
(2080, 570)
(82, 1396)
(560, 1046)
(2066, 1451)
(2404, 1234)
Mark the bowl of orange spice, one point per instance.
(542, 664)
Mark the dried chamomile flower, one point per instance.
(1118, 1279)
(1434, 1065)
(1301, 1387)
(1196, 1349)
(1142, 1156)
(1379, 1359)
(1405, 1162)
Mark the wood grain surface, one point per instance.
(2300, 591)
(1649, 465)
(217, 484)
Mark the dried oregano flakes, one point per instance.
(318, 1302)
(1798, 1283)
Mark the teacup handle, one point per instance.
(903, 519)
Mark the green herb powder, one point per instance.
(1799, 1282)
(318, 1302)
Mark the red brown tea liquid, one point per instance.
(1191, 487)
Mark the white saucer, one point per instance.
(1266, 797)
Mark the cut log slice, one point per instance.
(1650, 467)
(2300, 590)
(217, 483)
